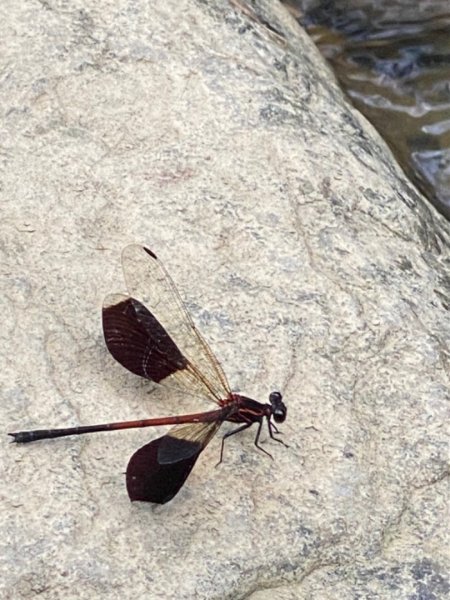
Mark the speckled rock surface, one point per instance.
(215, 135)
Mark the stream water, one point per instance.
(392, 58)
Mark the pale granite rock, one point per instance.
(214, 133)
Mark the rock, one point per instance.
(216, 135)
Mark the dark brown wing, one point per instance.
(151, 333)
(138, 341)
(157, 471)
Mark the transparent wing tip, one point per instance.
(134, 253)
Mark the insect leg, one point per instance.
(257, 440)
(272, 427)
(241, 428)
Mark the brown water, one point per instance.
(392, 57)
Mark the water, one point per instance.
(392, 57)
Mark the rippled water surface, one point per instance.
(393, 60)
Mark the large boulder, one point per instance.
(215, 134)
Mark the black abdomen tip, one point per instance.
(22, 437)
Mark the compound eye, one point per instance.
(278, 408)
(275, 398)
(279, 415)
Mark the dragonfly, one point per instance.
(151, 333)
